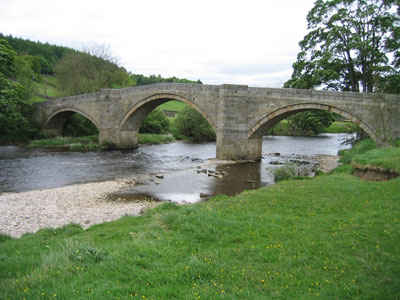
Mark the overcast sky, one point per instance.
(252, 42)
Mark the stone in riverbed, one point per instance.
(160, 176)
(204, 195)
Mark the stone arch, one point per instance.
(55, 122)
(136, 114)
(261, 126)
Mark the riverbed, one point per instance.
(45, 188)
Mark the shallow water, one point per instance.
(23, 169)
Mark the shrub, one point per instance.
(285, 172)
(192, 124)
(156, 123)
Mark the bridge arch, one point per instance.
(269, 120)
(55, 121)
(136, 114)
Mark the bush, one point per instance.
(156, 123)
(191, 123)
(310, 122)
(78, 125)
(285, 172)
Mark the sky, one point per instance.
(251, 42)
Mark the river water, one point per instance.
(182, 164)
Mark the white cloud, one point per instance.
(250, 42)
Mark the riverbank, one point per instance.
(83, 204)
(332, 237)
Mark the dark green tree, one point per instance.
(310, 122)
(13, 105)
(352, 45)
(156, 122)
(192, 124)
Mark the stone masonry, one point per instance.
(240, 115)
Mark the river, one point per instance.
(181, 164)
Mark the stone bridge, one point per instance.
(240, 115)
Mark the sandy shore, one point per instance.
(83, 204)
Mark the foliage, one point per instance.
(352, 46)
(358, 148)
(140, 79)
(78, 125)
(62, 141)
(145, 138)
(285, 172)
(310, 122)
(192, 124)
(48, 54)
(156, 122)
(332, 237)
(387, 157)
(82, 72)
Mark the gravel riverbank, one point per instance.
(84, 204)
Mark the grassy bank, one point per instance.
(333, 237)
(89, 143)
(282, 128)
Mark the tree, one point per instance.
(310, 122)
(353, 45)
(156, 122)
(191, 123)
(82, 72)
(12, 101)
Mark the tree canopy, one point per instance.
(352, 45)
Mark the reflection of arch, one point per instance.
(274, 117)
(141, 109)
(58, 117)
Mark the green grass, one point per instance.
(341, 127)
(333, 237)
(90, 143)
(63, 141)
(172, 105)
(282, 128)
(146, 138)
(358, 148)
(52, 89)
(388, 158)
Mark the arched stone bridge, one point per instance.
(240, 115)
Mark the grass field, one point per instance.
(172, 105)
(332, 237)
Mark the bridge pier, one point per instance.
(121, 139)
(232, 147)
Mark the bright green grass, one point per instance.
(358, 148)
(62, 141)
(172, 105)
(333, 237)
(388, 157)
(282, 128)
(341, 127)
(146, 138)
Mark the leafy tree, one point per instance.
(156, 122)
(78, 125)
(352, 46)
(310, 122)
(191, 123)
(81, 73)
(7, 59)
(146, 80)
